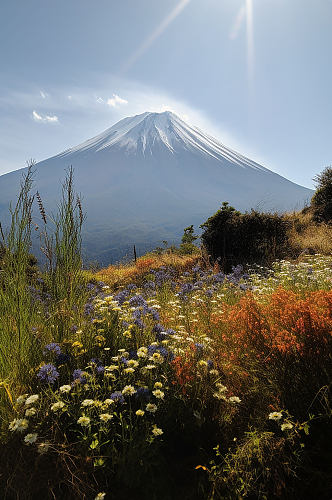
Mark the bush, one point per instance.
(255, 237)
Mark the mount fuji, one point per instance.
(147, 178)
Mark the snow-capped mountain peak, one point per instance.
(149, 133)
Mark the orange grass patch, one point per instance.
(123, 274)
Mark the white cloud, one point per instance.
(69, 97)
(53, 118)
(43, 94)
(116, 101)
(44, 119)
(237, 24)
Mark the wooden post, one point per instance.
(135, 256)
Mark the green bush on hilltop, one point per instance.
(254, 237)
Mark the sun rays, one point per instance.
(147, 43)
(250, 42)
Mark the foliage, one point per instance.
(255, 237)
(187, 242)
(321, 202)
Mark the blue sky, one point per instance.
(255, 73)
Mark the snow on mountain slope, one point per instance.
(147, 177)
(141, 134)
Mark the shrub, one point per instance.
(253, 237)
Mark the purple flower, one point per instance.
(52, 347)
(143, 393)
(150, 285)
(88, 309)
(219, 278)
(121, 297)
(158, 328)
(139, 323)
(117, 397)
(78, 376)
(137, 300)
(186, 288)
(161, 336)
(48, 374)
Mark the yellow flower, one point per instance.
(77, 345)
(142, 352)
(30, 412)
(129, 370)
(30, 438)
(57, 406)
(152, 408)
(128, 390)
(18, 424)
(156, 431)
(105, 417)
(234, 399)
(140, 413)
(31, 399)
(87, 402)
(158, 394)
(286, 426)
(100, 338)
(100, 496)
(275, 415)
(202, 364)
(84, 421)
(21, 399)
(108, 402)
(65, 388)
(133, 363)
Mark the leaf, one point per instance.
(94, 444)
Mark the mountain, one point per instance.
(148, 177)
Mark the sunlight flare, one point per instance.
(250, 42)
(154, 35)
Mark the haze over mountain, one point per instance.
(148, 177)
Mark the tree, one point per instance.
(321, 202)
(187, 246)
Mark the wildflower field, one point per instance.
(184, 383)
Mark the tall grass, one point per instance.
(18, 311)
(64, 276)
(38, 306)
